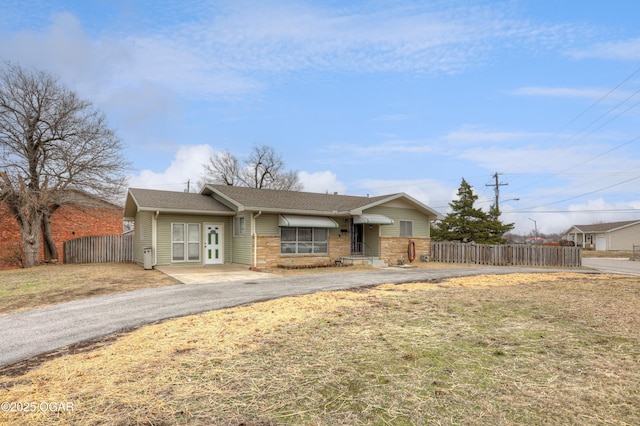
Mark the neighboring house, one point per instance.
(267, 228)
(87, 216)
(606, 236)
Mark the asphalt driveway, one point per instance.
(31, 333)
(612, 265)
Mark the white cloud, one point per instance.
(233, 49)
(393, 146)
(478, 135)
(65, 50)
(627, 50)
(321, 182)
(185, 166)
(560, 92)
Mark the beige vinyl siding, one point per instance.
(242, 243)
(164, 236)
(142, 235)
(625, 238)
(419, 220)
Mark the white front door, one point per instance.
(213, 238)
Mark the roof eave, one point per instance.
(426, 209)
(624, 226)
(297, 211)
(208, 190)
(187, 211)
(127, 211)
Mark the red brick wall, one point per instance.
(67, 223)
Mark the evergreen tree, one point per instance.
(466, 223)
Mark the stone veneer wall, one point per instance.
(393, 249)
(269, 256)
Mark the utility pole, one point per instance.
(496, 188)
(535, 224)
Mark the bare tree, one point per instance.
(51, 142)
(223, 168)
(264, 168)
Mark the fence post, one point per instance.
(99, 249)
(508, 254)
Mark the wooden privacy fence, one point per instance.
(101, 249)
(506, 254)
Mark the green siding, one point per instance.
(267, 225)
(142, 235)
(242, 243)
(420, 221)
(164, 236)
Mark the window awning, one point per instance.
(295, 221)
(373, 219)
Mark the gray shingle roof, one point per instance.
(604, 227)
(270, 199)
(150, 199)
(252, 199)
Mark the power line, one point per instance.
(588, 193)
(573, 211)
(590, 107)
(603, 97)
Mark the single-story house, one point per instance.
(267, 228)
(606, 236)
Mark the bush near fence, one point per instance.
(101, 249)
(506, 254)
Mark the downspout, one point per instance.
(255, 239)
(154, 237)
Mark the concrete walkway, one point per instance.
(40, 331)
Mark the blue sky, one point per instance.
(365, 97)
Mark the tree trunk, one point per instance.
(49, 246)
(30, 234)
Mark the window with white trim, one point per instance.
(406, 228)
(304, 240)
(238, 226)
(185, 242)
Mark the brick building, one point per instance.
(89, 216)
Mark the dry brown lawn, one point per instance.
(22, 289)
(550, 349)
